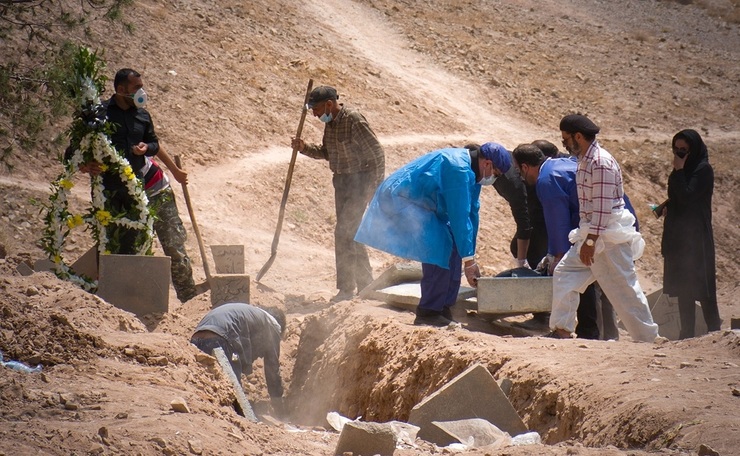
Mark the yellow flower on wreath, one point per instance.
(66, 184)
(103, 217)
(74, 221)
(129, 173)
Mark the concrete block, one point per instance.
(399, 286)
(474, 432)
(405, 433)
(226, 288)
(366, 439)
(472, 394)
(44, 265)
(666, 316)
(87, 264)
(506, 385)
(241, 398)
(139, 284)
(229, 259)
(24, 269)
(395, 274)
(514, 295)
(407, 295)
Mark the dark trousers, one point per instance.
(351, 195)
(587, 327)
(687, 315)
(440, 286)
(606, 316)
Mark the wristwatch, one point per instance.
(589, 242)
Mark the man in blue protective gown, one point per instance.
(427, 211)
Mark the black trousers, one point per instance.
(351, 195)
(687, 315)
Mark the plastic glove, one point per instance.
(521, 263)
(544, 264)
(472, 273)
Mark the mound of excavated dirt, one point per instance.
(226, 80)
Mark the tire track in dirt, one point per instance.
(368, 34)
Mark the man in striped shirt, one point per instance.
(358, 162)
(605, 244)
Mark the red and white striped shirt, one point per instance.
(155, 180)
(599, 184)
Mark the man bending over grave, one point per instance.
(245, 332)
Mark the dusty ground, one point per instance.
(226, 80)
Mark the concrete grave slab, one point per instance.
(472, 394)
(395, 274)
(666, 316)
(241, 398)
(366, 439)
(139, 284)
(226, 288)
(44, 265)
(87, 264)
(399, 286)
(473, 432)
(229, 259)
(24, 269)
(514, 295)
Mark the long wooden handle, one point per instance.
(286, 190)
(195, 224)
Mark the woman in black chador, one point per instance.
(688, 243)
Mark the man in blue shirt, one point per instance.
(554, 181)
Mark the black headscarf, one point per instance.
(697, 149)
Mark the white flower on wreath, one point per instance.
(89, 93)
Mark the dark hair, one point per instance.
(589, 137)
(278, 315)
(122, 76)
(547, 148)
(528, 154)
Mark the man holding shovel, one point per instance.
(168, 225)
(358, 162)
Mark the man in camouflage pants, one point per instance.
(168, 225)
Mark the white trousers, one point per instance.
(614, 269)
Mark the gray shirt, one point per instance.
(252, 333)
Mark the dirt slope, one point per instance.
(226, 81)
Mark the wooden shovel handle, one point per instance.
(195, 224)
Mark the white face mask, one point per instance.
(488, 180)
(140, 98)
(326, 117)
